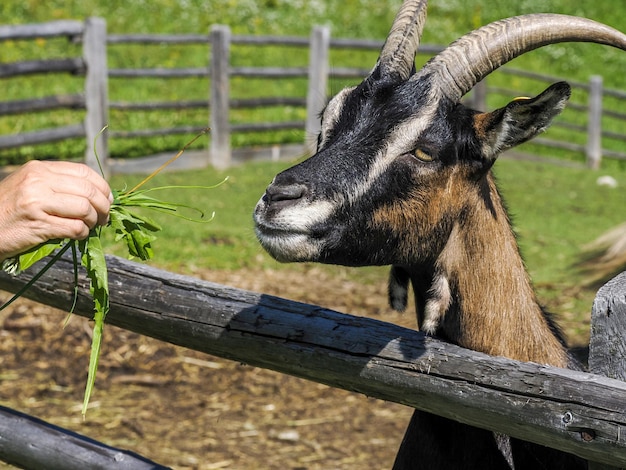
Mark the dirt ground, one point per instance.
(189, 410)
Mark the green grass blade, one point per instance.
(94, 357)
(30, 257)
(95, 148)
(75, 296)
(95, 264)
(36, 277)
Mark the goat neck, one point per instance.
(477, 293)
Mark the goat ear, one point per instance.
(520, 120)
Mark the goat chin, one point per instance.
(288, 247)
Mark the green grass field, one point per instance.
(448, 19)
(555, 209)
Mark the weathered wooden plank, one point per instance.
(161, 72)
(46, 103)
(375, 45)
(607, 345)
(158, 39)
(242, 103)
(205, 72)
(42, 30)
(158, 132)
(573, 411)
(157, 105)
(615, 93)
(614, 155)
(28, 442)
(268, 126)
(31, 67)
(42, 137)
(284, 152)
(97, 94)
(614, 135)
(367, 44)
(559, 144)
(219, 120)
(294, 41)
(317, 92)
(267, 102)
(594, 123)
(270, 72)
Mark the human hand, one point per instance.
(46, 200)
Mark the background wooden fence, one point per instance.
(573, 411)
(219, 71)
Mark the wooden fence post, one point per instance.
(96, 92)
(594, 125)
(318, 79)
(607, 345)
(479, 95)
(220, 96)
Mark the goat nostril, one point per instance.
(292, 192)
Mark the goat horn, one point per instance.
(397, 56)
(474, 56)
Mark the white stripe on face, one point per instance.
(332, 113)
(403, 139)
(301, 217)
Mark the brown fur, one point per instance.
(497, 311)
(494, 308)
(415, 217)
(482, 122)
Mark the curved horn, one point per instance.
(474, 56)
(397, 56)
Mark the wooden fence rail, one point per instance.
(219, 72)
(29, 443)
(573, 411)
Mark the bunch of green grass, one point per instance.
(136, 230)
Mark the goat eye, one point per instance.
(422, 156)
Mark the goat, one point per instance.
(402, 177)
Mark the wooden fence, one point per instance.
(219, 42)
(92, 65)
(573, 411)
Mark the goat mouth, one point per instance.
(293, 233)
(267, 226)
(288, 245)
(270, 231)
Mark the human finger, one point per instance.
(82, 171)
(72, 206)
(84, 188)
